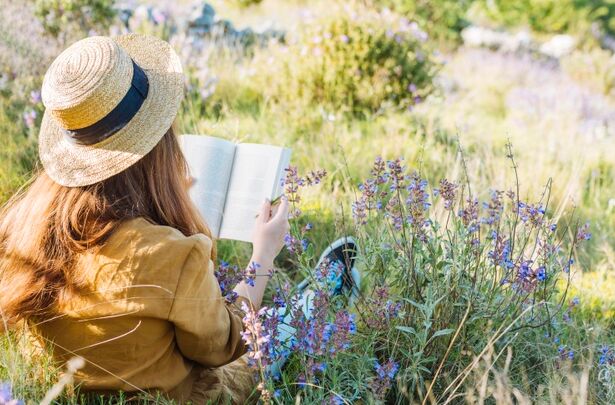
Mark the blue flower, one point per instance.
(541, 273)
(6, 395)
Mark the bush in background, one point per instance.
(353, 60)
(549, 16)
(247, 3)
(61, 15)
(444, 19)
(595, 68)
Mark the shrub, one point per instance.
(447, 280)
(594, 68)
(443, 19)
(60, 15)
(247, 3)
(550, 16)
(355, 60)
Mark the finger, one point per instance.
(265, 212)
(274, 210)
(282, 211)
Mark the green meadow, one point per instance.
(460, 291)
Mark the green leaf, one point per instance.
(443, 332)
(407, 329)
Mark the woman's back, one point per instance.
(134, 325)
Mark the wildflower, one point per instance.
(384, 310)
(396, 173)
(541, 273)
(384, 376)
(228, 277)
(295, 245)
(6, 395)
(531, 214)
(29, 118)
(394, 212)
(469, 215)
(328, 274)
(494, 208)
(315, 177)
(254, 336)
(378, 171)
(359, 211)
(417, 204)
(583, 233)
(344, 39)
(250, 276)
(159, 17)
(343, 326)
(606, 356)
(448, 192)
(501, 254)
(292, 183)
(35, 97)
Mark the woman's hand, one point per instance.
(271, 228)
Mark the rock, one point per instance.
(559, 46)
(487, 38)
(608, 42)
(203, 24)
(202, 18)
(482, 37)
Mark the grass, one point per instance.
(559, 121)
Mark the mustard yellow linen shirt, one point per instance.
(153, 313)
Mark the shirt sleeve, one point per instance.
(207, 328)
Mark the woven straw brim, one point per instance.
(74, 165)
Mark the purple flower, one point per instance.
(583, 233)
(383, 310)
(255, 336)
(250, 276)
(531, 214)
(469, 215)
(448, 192)
(417, 204)
(607, 357)
(294, 245)
(494, 208)
(541, 273)
(228, 277)
(501, 255)
(35, 97)
(29, 118)
(159, 17)
(6, 395)
(385, 374)
(292, 184)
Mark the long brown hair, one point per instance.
(44, 227)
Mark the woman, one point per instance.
(104, 254)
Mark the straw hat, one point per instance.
(108, 102)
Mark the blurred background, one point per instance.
(341, 82)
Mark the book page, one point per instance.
(257, 174)
(211, 161)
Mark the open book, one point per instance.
(231, 181)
